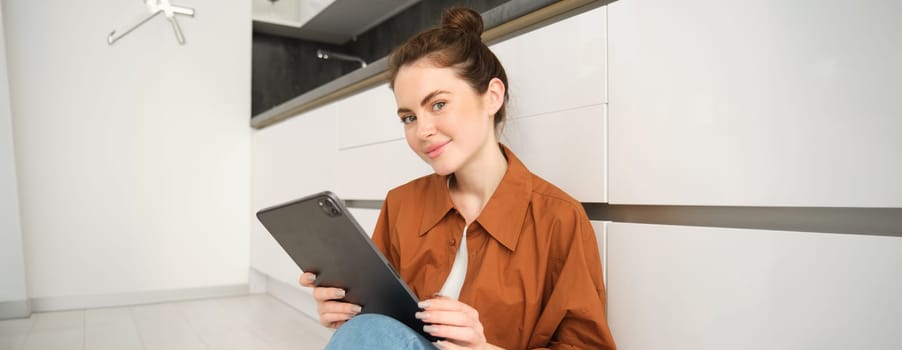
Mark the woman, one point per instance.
(500, 257)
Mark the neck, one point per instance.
(473, 185)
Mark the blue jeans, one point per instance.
(374, 331)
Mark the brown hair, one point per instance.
(457, 44)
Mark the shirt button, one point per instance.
(452, 241)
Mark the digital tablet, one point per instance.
(322, 237)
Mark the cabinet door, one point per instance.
(368, 172)
(366, 218)
(566, 148)
(556, 67)
(677, 287)
(289, 160)
(368, 117)
(772, 103)
(294, 158)
(601, 235)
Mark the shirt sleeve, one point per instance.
(576, 312)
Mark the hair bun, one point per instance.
(464, 19)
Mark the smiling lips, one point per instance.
(436, 150)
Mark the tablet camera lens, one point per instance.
(329, 208)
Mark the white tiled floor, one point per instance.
(252, 322)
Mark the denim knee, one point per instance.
(374, 331)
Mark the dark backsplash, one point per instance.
(284, 68)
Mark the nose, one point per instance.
(425, 127)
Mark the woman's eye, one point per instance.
(407, 119)
(438, 106)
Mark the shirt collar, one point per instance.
(505, 212)
(437, 206)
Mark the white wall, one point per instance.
(133, 159)
(12, 263)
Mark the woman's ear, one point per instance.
(494, 96)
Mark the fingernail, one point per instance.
(311, 278)
(423, 304)
(428, 329)
(356, 309)
(340, 293)
(421, 315)
(439, 344)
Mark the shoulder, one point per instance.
(552, 202)
(415, 187)
(561, 219)
(414, 191)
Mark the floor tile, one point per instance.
(107, 316)
(55, 339)
(17, 326)
(112, 336)
(255, 322)
(162, 327)
(281, 330)
(236, 339)
(206, 316)
(111, 329)
(12, 341)
(63, 320)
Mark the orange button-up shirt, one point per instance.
(534, 272)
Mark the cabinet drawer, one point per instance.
(556, 67)
(368, 172)
(566, 148)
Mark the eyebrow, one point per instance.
(424, 101)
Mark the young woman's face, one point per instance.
(446, 122)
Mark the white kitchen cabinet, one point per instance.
(567, 148)
(368, 117)
(556, 67)
(678, 287)
(289, 160)
(764, 103)
(601, 236)
(368, 172)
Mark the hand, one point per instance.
(456, 322)
(332, 313)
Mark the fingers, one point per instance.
(327, 293)
(338, 308)
(447, 345)
(466, 336)
(320, 293)
(448, 311)
(307, 279)
(452, 320)
(333, 314)
(335, 325)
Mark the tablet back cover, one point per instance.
(322, 237)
